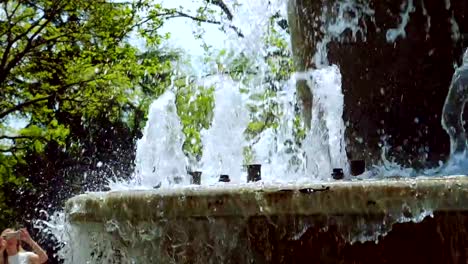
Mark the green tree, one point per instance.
(66, 67)
(195, 108)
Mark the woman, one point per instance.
(11, 251)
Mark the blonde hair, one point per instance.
(18, 246)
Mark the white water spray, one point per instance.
(400, 30)
(281, 157)
(452, 119)
(341, 17)
(160, 160)
(224, 141)
(324, 144)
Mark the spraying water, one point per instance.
(224, 142)
(343, 16)
(453, 124)
(452, 120)
(277, 149)
(160, 160)
(324, 144)
(159, 152)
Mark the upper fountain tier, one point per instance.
(396, 58)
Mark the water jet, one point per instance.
(224, 178)
(254, 172)
(196, 177)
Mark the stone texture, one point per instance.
(442, 239)
(361, 197)
(313, 223)
(392, 88)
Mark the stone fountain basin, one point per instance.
(365, 197)
(424, 219)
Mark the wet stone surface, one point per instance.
(423, 220)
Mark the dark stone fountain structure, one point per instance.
(396, 70)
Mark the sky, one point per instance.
(182, 29)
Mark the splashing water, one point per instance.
(160, 160)
(349, 14)
(281, 158)
(452, 120)
(224, 141)
(394, 33)
(323, 148)
(455, 102)
(324, 145)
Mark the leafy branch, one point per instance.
(179, 14)
(223, 6)
(23, 105)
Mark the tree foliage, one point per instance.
(65, 67)
(195, 109)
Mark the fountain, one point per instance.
(372, 65)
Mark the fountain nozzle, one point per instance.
(338, 174)
(224, 178)
(196, 177)
(254, 172)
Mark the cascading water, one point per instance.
(325, 141)
(452, 120)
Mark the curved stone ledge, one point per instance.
(426, 219)
(409, 196)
